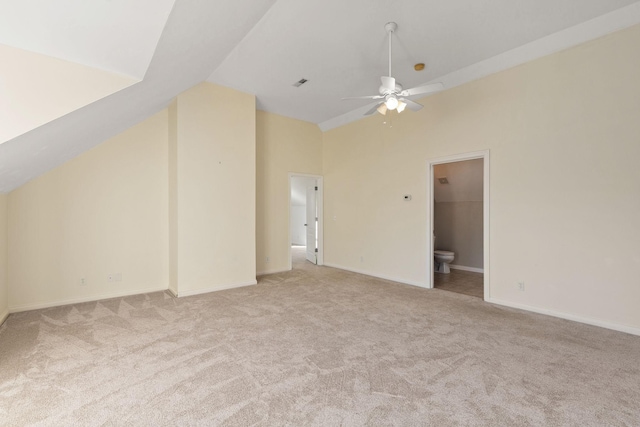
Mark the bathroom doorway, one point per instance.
(458, 188)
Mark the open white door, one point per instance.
(312, 225)
(310, 212)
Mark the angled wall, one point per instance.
(36, 89)
(102, 213)
(167, 204)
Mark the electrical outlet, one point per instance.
(83, 281)
(361, 258)
(110, 278)
(266, 260)
(521, 286)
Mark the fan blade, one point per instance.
(388, 84)
(364, 97)
(373, 109)
(435, 87)
(413, 106)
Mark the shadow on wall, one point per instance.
(458, 211)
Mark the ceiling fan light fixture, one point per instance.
(391, 102)
(391, 94)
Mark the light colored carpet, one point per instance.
(315, 346)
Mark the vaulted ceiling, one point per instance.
(142, 53)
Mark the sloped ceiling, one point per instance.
(119, 36)
(264, 46)
(198, 35)
(341, 47)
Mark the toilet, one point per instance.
(442, 259)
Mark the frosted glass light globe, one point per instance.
(391, 103)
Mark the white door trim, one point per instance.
(320, 207)
(485, 205)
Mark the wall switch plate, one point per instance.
(521, 286)
(83, 281)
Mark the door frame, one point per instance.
(484, 154)
(319, 208)
(311, 220)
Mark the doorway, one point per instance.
(305, 218)
(458, 195)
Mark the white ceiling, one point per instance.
(341, 46)
(264, 46)
(114, 35)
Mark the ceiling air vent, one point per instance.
(300, 82)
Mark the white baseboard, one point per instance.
(57, 303)
(214, 289)
(274, 271)
(567, 316)
(173, 293)
(463, 268)
(379, 276)
(4, 316)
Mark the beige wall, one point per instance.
(101, 213)
(173, 197)
(458, 228)
(170, 203)
(214, 189)
(283, 145)
(37, 88)
(4, 290)
(564, 207)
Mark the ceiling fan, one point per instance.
(391, 93)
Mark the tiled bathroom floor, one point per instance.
(462, 282)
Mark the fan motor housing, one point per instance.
(390, 27)
(398, 89)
